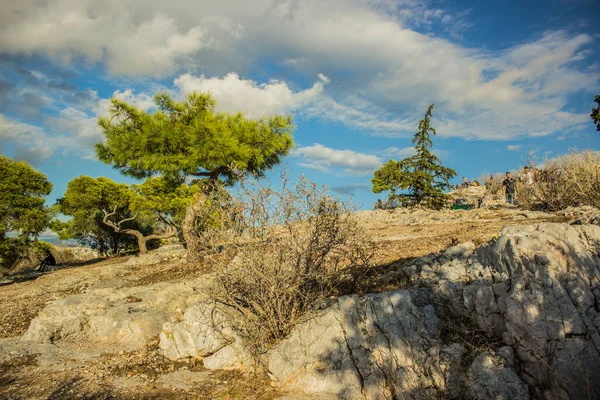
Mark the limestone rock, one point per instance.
(489, 379)
(207, 331)
(550, 311)
(535, 290)
(369, 346)
(123, 319)
(463, 250)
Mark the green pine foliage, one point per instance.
(162, 199)
(595, 115)
(145, 208)
(83, 201)
(419, 180)
(190, 138)
(23, 191)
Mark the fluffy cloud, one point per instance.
(479, 94)
(73, 130)
(513, 147)
(123, 34)
(234, 94)
(326, 159)
(30, 142)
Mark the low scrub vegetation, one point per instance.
(280, 254)
(572, 180)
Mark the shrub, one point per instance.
(27, 254)
(280, 254)
(572, 180)
(11, 250)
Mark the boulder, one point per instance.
(364, 347)
(489, 378)
(116, 319)
(206, 330)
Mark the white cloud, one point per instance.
(325, 159)
(234, 94)
(129, 37)
(381, 44)
(323, 78)
(31, 142)
(357, 113)
(34, 144)
(513, 147)
(72, 131)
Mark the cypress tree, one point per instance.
(419, 180)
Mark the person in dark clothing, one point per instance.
(49, 261)
(509, 187)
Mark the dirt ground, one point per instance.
(399, 235)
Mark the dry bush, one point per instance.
(279, 254)
(494, 187)
(63, 255)
(572, 180)
(30, 254)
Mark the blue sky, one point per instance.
(508, 77)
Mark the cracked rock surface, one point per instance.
(105, 320)
(535, 292)
(364, 347)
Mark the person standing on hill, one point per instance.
(490, 183)
(528, 177)
(509, 187)
(529, 182)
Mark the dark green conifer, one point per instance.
(595, 115)
(419, 180)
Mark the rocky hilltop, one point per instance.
(515, 316)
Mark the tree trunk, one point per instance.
(188, 226)
(141, 241)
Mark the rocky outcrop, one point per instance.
(537, 290)
(534, 293)
(517, 318)
(373, 346)
(121, 320)
(206, 331)
(548, 308)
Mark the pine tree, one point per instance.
(595, 115)
(189, 138)
(23, 191)
(112, 216)
(419, 180)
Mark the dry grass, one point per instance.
(572, 180)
